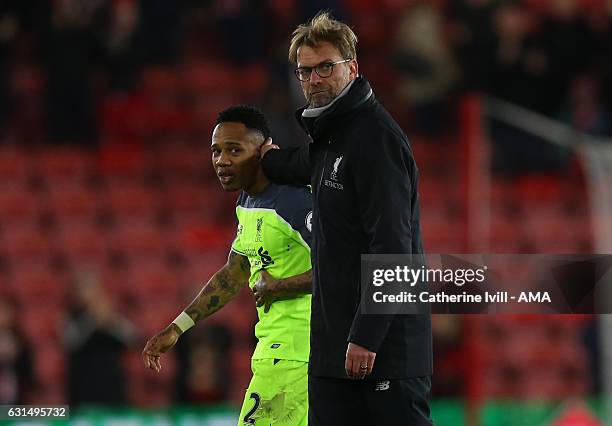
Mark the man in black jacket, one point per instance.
(364, 182)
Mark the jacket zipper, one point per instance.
(323, 171)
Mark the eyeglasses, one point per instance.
(323, 70)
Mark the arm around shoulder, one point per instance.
(287, 166)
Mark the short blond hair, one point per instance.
(323, 28)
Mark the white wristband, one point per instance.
(184, 322)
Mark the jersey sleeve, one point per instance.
(237, 244)
(295, 207)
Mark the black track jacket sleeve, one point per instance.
(385, 194)
(288, 166)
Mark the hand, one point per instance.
(159, 344)
(267, 146)
(356, 357)
(265, 290)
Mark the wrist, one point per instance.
(278, 289)
(183, 322)
(173, 328)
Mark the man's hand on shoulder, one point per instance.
(267, 146)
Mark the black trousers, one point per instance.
(337, 402)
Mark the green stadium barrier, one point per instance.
(445, 413)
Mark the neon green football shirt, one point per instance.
(274, 233)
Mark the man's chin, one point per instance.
(319, 101)
(230, 187)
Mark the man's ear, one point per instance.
(353, 69)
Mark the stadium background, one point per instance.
(111, 216)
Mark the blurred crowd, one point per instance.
(551, 56)
(93, 73)
(554, 59)
(95, 340)
(16, 375)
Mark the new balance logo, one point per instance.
(383, 385)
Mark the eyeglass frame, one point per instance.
(297, 70)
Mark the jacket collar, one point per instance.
(359, 94)
(316, 112)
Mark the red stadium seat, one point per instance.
(49, 363)
(203, 238)
(42, 323)
(150, 317)
(127, 197)
(138, 237)
(179, 160)
(72, 199)
(187, 196)
(169, 118)
(206, 106)
(151, 280)
(125, 117)
(35, 280)
(238, 316)
(441, 229)
(81, 241)
(251, 79)
(25, 242)
(118, 158)
(241, 368)
(15, 165)
(17, 203)
(208, 77)
(161, 81)
(65, 163)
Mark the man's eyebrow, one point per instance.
(319, 63)
(226, 142)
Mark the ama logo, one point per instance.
(266, 259)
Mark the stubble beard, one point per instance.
(323, 101)
(319, 104)
(319, 101)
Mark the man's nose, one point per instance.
(223, 159)
(315, 78)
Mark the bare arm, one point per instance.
(268, 290)
(222, 287)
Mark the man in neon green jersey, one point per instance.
(272, 252)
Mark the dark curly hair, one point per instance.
(250, 116)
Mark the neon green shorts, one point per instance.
(277, 394)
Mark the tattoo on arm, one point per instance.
(223, 286)
(296, 285)
(214, 302)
